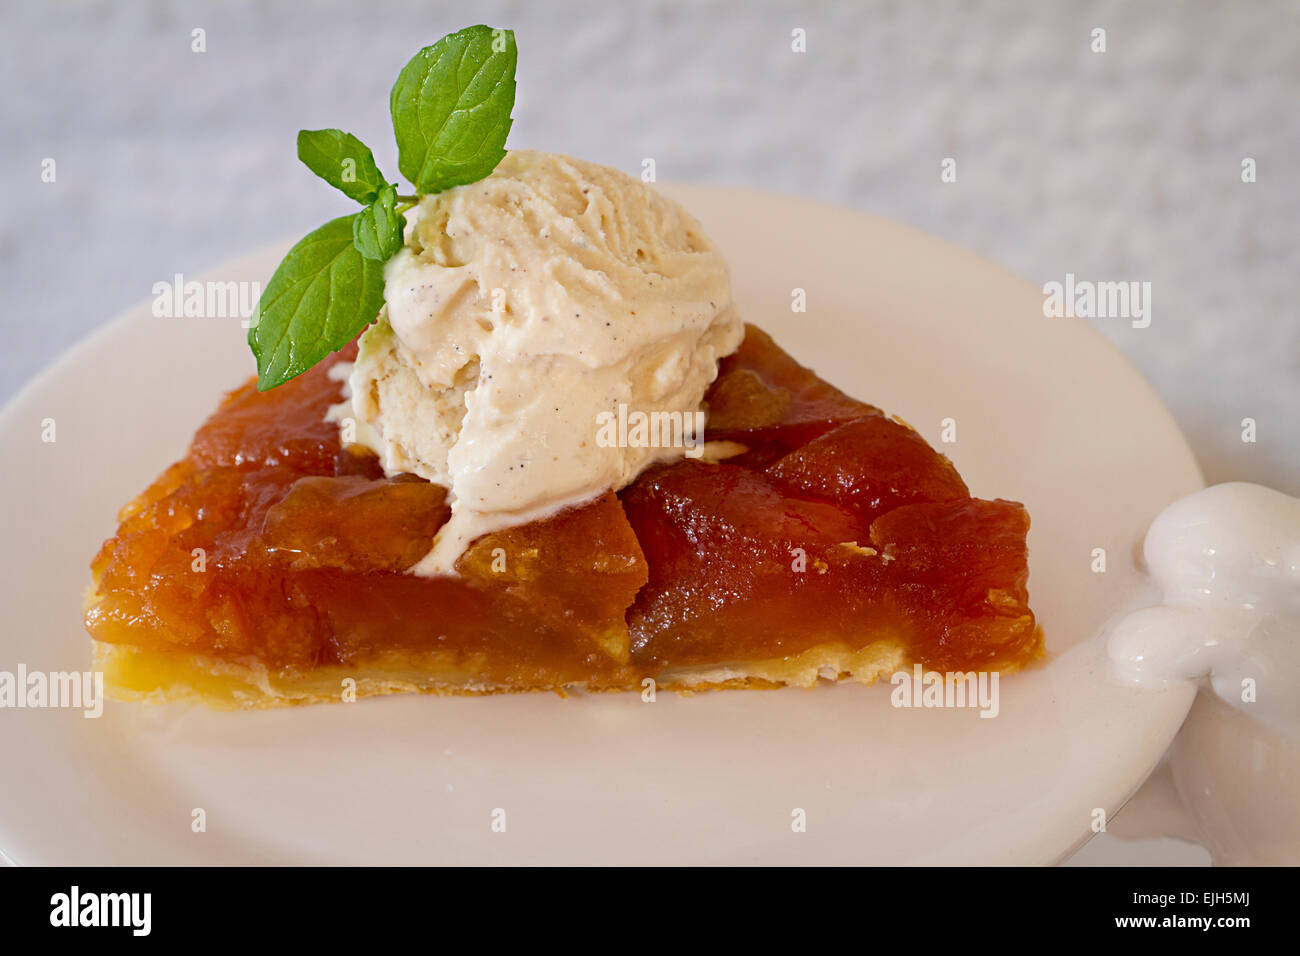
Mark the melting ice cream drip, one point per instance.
(1227, 560)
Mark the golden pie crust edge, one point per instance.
(151, 676)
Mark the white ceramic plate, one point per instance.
(1046, 412)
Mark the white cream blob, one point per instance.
(1227, 560)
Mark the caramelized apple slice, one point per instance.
(539, 605)
(871, 464)
(739, 570)
(355, 522)
(583, 566)
(959, 569)
(285, 426)
(767, 401)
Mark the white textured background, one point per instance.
(1114, 166)
(1122, 165)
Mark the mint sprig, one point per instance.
(451, 109)
(343, 161)
(377, 229)
(322, 295)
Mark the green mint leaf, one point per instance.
(323, 293)
(377, 230)
(451, 108)
(341, 160)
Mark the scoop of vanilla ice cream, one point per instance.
(521, 308)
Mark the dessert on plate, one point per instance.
(510, 433)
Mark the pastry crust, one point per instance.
(141, 675)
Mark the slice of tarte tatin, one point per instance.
(270, 565)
